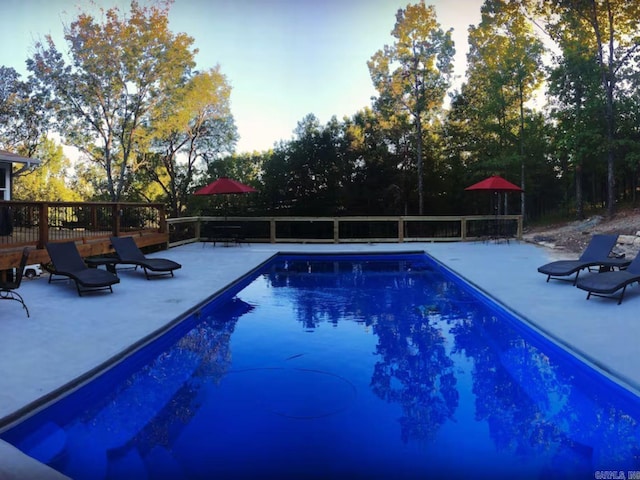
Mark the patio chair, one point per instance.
(67, 262)
(127, 252)
(8, 288)
(606, 284)
(595, 255)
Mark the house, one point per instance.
(7, 159)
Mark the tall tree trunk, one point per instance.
(522, 200)
(611, 179)
(579, 199)
(420, 179)
(608, 85)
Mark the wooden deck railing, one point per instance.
(352, 229)
(90, 224)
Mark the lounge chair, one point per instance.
(67, 262)
(595, 255)
(606, 284)
(8, 288)
(127, 252)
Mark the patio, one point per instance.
(68, 335)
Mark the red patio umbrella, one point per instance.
(225, 185)
(495, 183)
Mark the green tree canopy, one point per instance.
(190, 129)
(120, 70)
(504, 72)
(24, 116)
(610, 29)
(48, 182)
(412, 75)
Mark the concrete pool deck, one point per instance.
(68, 335)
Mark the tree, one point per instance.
(24, 122)
(24, 115)
(47, 182)
(628, 144)
(119, 71)
(414, 73)
(309, 174)
(504, 72)
(246, 167)
(615, 39)
(577, 100)
(374, 149)
(195, 123)
(291, 171)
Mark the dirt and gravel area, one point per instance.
(574, 236)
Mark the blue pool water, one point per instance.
(382, 366)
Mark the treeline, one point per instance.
(550, 101)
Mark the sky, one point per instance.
(284, 59)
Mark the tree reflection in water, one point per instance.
(163, 394)
(532, 406)
(415, 372)
(414, 369)
(209, 343)
(534, 403)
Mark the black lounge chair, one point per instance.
(606, 284)
(67, 262)
(127, 252)
(8, 288)
(595, 255)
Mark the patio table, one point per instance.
(108, 261)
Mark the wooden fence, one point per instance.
(90, 224)
(355, 229)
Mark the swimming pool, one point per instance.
(333, 366)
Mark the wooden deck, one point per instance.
(10, 258)
(89, 225)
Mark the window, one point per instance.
(4, 182)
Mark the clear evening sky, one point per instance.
(283, 58)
